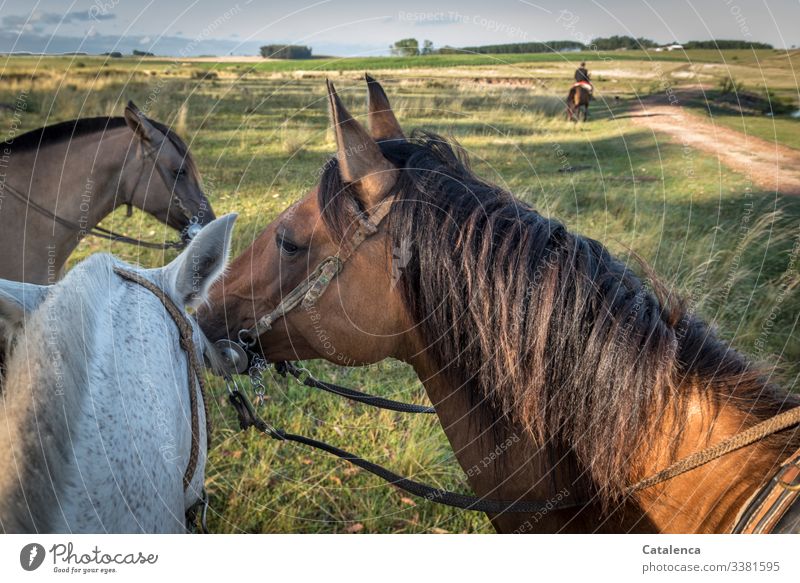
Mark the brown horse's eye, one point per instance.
(286, 246)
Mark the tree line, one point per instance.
(411, 47)
(285, 52)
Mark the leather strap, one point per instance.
(310, 289)
(98, 231)
(779, 497)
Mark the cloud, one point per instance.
(37, 20)
(96, 43)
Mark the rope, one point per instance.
(186, 332)
(749, 436)
(438, 495)
(95, 231)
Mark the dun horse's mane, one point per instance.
(544, 326)
(74, 128)
(63, 131)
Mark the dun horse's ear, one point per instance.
(142, 126)
(360, 159)
(383, 124)
(190, 275)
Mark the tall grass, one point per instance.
(259, 142)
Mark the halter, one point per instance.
(190, 231)
(187, 234)
(237, 355)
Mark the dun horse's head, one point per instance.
(164, 180)
(359, 317)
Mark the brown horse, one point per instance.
(524, 335)
(578, 103)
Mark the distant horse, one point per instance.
(578, 103)
(95, 432)
(530, 340)
(80, 171)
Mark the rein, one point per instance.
(249, 418)
(102, 232)
(239, 356)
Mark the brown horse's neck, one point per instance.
(502, 461)
(80, 180)
(707, 499)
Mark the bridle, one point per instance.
(187, 234)
(239, 357)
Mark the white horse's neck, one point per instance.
(108, 375)
(96, 415)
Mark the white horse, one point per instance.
(95, 430)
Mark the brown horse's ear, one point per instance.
(142, 126)
(383, 124)
(360, 159)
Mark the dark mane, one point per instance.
(63, 131)
(544, 325)
(67, 130)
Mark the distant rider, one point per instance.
(582, 76)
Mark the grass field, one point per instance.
(260, 134)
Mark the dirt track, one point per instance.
(767, 165)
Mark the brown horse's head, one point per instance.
(165, 183)
(360, 317)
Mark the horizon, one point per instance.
(349, 28)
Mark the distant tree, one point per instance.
(407, 47)
(516, 48)
(427, 48)
(615, 42)
(138, 53)
(286, 52)
(113, 55)
(725, 44)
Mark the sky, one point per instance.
(368, 27)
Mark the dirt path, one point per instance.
(767, 165)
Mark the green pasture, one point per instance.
(259, 133)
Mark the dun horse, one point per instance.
(522, 333)
(80, 171)
(95, 431)
(578, 103)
